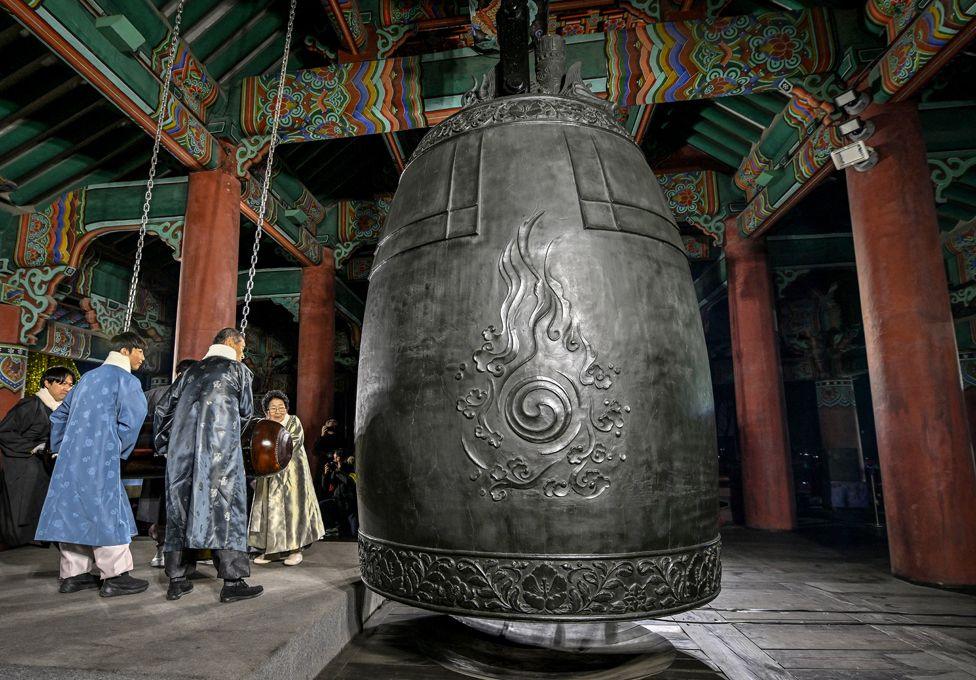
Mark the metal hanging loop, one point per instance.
(164, 100)
(266, 185)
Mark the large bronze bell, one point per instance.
(535, 433)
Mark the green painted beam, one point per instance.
(810, 251)
(228, 28)
(791, 5)
(347, 302)
(743, 107)
(713, 279)
(733, 143)
(716, 151)
(287, 282)
(773, 103)
(125, 68)
(946, 223)
(235, 49)
(960, 193)
(111, 280)
(731, 124)
(270, 283)
(956, 212)
(943, 132)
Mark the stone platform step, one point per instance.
(306, 615)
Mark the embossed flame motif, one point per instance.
(541, 409)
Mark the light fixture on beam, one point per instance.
(856, 130)
(852, 102)
(858, 155)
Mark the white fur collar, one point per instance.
(45, 396)
(225, 351)
(118, 360)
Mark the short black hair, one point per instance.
(128, 340)
(183, 365)
(57, 374)
(274, 394)
(226, 334)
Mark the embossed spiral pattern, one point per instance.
(538, 410)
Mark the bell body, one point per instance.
(535, 431)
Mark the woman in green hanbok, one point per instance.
(285, 515)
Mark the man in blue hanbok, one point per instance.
(86, 510)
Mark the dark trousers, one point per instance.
(231, 564)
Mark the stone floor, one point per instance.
(305, 616)
(811, 606)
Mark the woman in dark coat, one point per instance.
(24, 435)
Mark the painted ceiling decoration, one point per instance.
(716, 57)
(694, 197)
(754, 81)
(341, 100)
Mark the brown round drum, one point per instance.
(271, 447)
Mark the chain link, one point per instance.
(266, 185)
(163, 107)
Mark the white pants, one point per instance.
(110, 560)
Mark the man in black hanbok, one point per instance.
(24, 436)
(198, 428)
(152, 499)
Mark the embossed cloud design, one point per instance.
(541, 409)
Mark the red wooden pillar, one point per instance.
(208, 272)
(767, 473)
(926, 455)
(13, 358)
(316, 351)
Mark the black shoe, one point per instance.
(239, 590)
(123, 584)
(178, 588)
(73, 584)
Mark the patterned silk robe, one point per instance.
(285, 513)
(198, 428)
(95, 427)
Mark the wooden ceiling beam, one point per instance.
(28, 146)
(72, 150)
(27, 70)
(243, 63)
(35, 105)
(9, 34)
(250, 26)
(78, 179)
(211, 17)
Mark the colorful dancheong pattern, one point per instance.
(915, 47)
(691, 195)
(341, 100)
(717, 57)
(47, 236)
(197, 89)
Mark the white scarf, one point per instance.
(225, 351)
(120, 360)
(45, 396)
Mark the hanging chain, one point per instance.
(266, 185)
(163, 107)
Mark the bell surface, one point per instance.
(535, 431)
